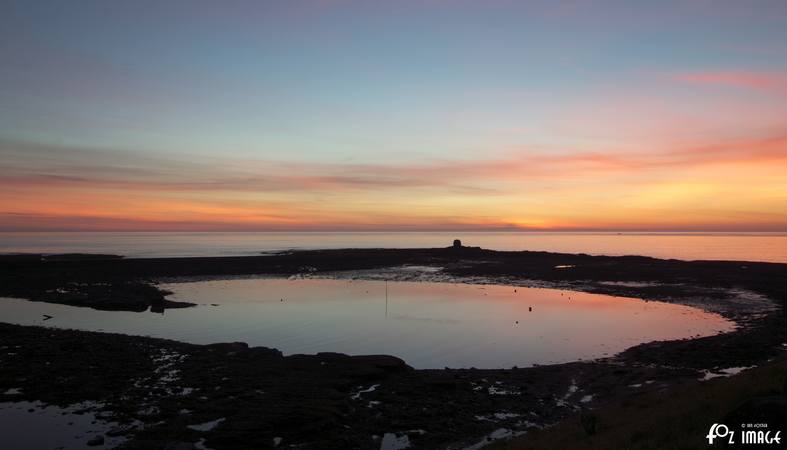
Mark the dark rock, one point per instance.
(96, 441)
(229, 347)
(180, 446)
(79, 257)
(457, 243)
(120, 430)
(771, 410)
(589, 421)
(387, 363)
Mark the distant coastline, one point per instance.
(748, 246)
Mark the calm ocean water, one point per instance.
(771, 247)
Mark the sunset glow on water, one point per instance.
(429, 325)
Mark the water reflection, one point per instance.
(430, 325)
(34, 426)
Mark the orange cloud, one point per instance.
(671, 188)
(469, 177)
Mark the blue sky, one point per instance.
(397, 84)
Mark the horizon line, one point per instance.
(394, 230)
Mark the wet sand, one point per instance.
(165, 390)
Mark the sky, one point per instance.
(407, 115)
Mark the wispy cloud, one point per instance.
(63, 167)
(49, 187)
(737, 79)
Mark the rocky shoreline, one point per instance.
(166, 394)
(112, 282)
(157, 389)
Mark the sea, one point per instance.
(765, 247)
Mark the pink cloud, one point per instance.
(738, 79)
(60, 188)
(481, 176)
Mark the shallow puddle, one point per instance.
(35, 426)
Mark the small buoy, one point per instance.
(517, 321)
(281, 300)
(530, 308)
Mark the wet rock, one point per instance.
(589, 421)
(771, 410)
(180, 446)
(120, 430)
(96, 441)
(442, 384)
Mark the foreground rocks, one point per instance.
(678, 417)
(167, 394)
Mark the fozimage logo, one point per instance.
(719, 430)
(750, 433)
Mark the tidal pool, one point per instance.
(36, 426)
(429, 325)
